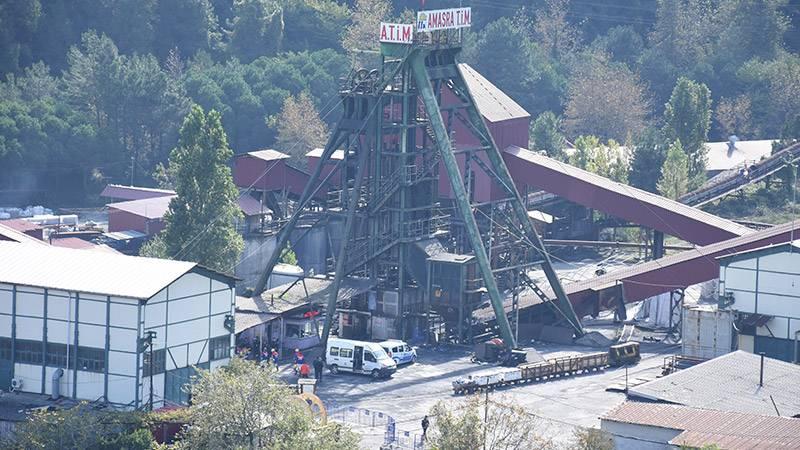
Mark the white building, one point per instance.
(763, 287)
(78, 322)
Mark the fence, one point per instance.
(362, 417)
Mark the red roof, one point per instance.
(150, 208)
(20, 225)
(118, 191)
(72, 242)
(729, 430)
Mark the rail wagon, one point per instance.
(564, 366)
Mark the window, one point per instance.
(305, 329)
(5, 348)
(28, 352)
(91, 359)
(56, 355)
(334, 351)
(220, 347)
(159, 362)
(346, 353)
(368, 356)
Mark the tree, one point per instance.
(362, 33)
(82, 427)
(460, 426)
(189, 25)
(299, 128)
(592, 439)
(534, 80)
(18, 22)
(546, 135)
(200, 220)
(610, 161)
(649, 152)
(257, 29)
(622, 44)
(733, 116)
(245, 406)
(687, 119)
(557, 36)
(606, 99)
(674, 180)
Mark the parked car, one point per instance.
(368, 358)
(399, 351)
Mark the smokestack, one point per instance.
(761, 375)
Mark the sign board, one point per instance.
(444, 19)
(397, 33)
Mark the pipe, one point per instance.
(796, 354)
(761, 375)
(55, 392)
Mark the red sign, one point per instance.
(397, 33)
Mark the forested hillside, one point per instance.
(94, 91)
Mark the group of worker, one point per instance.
(302, 368)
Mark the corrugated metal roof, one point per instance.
(251, 206)
(87, 271)
(313, 290)
(133, 192)
(150, 208)
(317, 153)
(493, 104)
(623, 190)
(719, 156)
(12, 235)
(268, 154)
(20, 225)
(247, 319)
(730, 383)
(728, 430)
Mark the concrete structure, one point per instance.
(734, 382)
(763, 287)
(733, 153)
(77, 323)
(647, 426)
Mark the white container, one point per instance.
(707, 332)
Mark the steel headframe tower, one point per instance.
(394, 139)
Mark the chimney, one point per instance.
(761, 375)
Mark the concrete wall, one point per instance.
(629, 436)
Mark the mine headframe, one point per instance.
(395, 138)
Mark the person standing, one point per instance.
(275, 359)
(319, 365)
(305, 370)
(299, 359)
(425, 423)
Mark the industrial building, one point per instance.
(762, 286)
(105, 327)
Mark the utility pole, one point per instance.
(485, 417)
(150, 337)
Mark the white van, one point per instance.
(369, 358)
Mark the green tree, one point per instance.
(299, 128)
(622, 44)
(546, 135)
(674, 180)
(188, 25)
(257, 29)
(557, 36)
(606, 99)
(244, 406)
(362, 33)
(81, 427)
(592, 439)
(687, 119)
(649, 152)
(200, 220)
(461, 426)
(610, 161)
(534, 80)
(18, 22)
